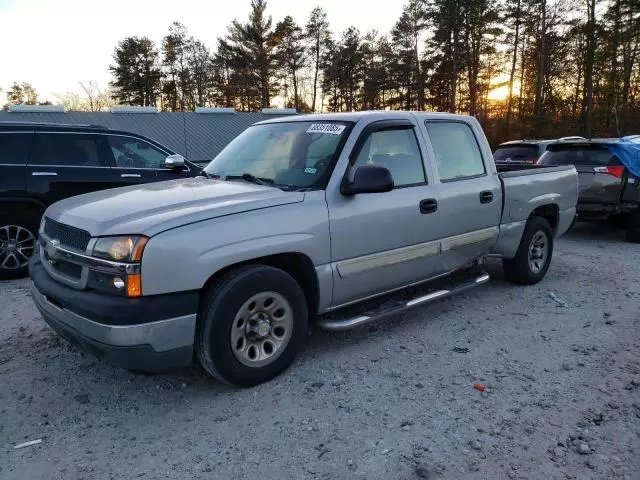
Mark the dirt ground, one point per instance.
(561, 362)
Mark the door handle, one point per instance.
(44, 174)
(486, 197)
(428, 205)
(130, 175)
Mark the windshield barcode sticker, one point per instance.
(331, 128)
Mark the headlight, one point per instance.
(121, 249)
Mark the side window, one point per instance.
(130, 152)
(66, 149)
(456, 149)
(396, 149)
(14, 147)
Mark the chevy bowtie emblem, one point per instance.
(52, 250)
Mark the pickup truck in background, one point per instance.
(340, 219)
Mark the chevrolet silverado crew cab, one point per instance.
(41, 163)
(340, 219)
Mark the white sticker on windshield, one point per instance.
(331, 128)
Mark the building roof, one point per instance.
(197, 136)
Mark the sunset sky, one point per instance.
(53, 44)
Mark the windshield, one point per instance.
(289, 154)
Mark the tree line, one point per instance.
(524, 68)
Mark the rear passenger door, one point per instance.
(138, 161)
(469, 192)
(63, 165)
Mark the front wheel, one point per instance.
(533, 257)
(251, 325)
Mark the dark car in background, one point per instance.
(609, 191)
(43, 163)
(525, 151)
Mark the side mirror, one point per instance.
(174, 161)
(368, 179)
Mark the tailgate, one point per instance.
(525, 190)
(598, 185)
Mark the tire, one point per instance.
(18, 237)
(519, 269)
(229, 328)
(633, 227)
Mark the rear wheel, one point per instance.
(251, 325)
(533, 257)
(18, 234)
(633, 227)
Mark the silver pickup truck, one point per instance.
(338, 219)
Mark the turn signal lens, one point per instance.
(136, 256)
(134, 285)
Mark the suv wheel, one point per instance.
(18, 235)
(534, 254)
(251, 325)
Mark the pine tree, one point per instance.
(290, 54)
(318, 35)
(177, 87)
(406, 37)
(136, 72)
(252, 50)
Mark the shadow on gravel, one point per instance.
(595, 232)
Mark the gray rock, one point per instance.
(567, 367)
(475, 444)
(583, 448)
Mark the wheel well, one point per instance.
(549, 212)
(21, 207)
(298, 265)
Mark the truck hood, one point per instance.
(151, 208)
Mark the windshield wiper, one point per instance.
(248, 177)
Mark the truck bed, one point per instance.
(525, 187)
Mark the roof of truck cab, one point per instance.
(368, 114)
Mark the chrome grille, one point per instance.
(69, 269)
(67, 236)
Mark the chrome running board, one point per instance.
(439, 289)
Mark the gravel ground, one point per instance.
(560, 360)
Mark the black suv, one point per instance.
(43, 163)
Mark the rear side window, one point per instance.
(516, 153)
(14, 148)
(578, 155)
(66, 150)
(457, 152)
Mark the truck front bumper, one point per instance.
(138, 336)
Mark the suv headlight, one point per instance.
(126, 248)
